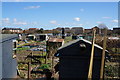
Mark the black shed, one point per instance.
(75, 59)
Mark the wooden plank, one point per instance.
(36, 56)
(91, 58)
(103, 55)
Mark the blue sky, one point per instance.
(49, 15)
(60, 0)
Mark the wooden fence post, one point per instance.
(29, 69)
(91, 58)
(103, 55)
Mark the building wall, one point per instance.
(9, 65)
(0, 59)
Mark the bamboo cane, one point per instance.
(91, 58)
(103, 55)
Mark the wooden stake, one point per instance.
(29, 70)
(103, 55)
(91, 58)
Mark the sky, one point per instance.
(49, 15)
(60, 0)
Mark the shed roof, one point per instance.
(72, 42)
(5, 37)
(11, 29)
(55, 40)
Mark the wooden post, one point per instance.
(91, 58)
(52, 63)
(103, 55)
(31, 56)
(29, 70)
(46, 58)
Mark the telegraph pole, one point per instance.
(91, 58)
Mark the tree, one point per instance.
(40, 30)
(55, 32)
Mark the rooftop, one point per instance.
(11, 29)
(55, 40)
(72, 42)
(5, 37)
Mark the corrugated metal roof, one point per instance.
(4, 37)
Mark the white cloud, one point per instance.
(20, 23)
(115, 21)
(15, 20)
(80, 24)
(77, 19)
(8, 22)
(81, 10)
(59, 24)
(5, 19)
(99, 22)
(34, 23)
(106, 17)
(53, 22)
(32, 7)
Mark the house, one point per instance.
(88, 31)
(13, 30)
(77, 30)
(53, 44)
(74, 60)
(8, 63)
(31, 30)
(58, 29)
(67, 29)
(98, 30)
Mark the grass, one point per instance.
(44, 66)
(68, 39)
(26, 44)
(23, 48)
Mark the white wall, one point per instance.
(0, 58)
(9, 64)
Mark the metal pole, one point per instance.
(91, 58)
(103, 55)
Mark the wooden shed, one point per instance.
(75, 59)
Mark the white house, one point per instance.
(8, 64)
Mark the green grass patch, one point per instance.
(23, 48)
(68, 39)
(44, 66)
